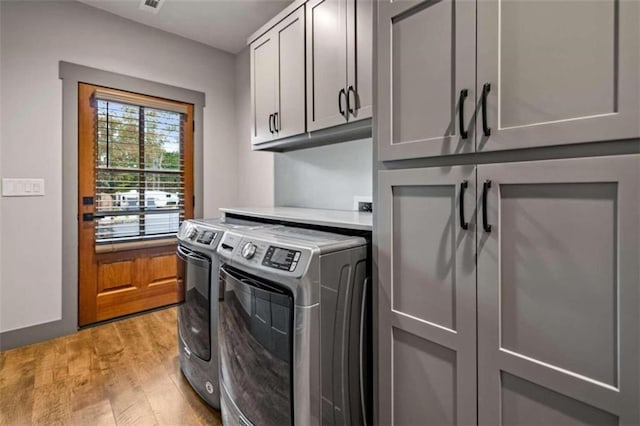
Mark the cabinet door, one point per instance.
(425, 58)
(326, 63)
(264, 54)
(290, 120)
(558, 303)
(427, 297)
(560, 72)
(359, 58)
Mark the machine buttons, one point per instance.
(296, 257)
(248, 250)
(293, 266)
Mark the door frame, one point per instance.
(72, 74)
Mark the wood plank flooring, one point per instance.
(122, 373)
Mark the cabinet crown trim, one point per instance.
(276, 20)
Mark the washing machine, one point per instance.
(198, 240)
(291, 327)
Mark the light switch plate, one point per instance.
(22, 187)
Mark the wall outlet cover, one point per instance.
(365, 206)
(357, 199)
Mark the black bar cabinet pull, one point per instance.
(275, 122)
(485, 220)
(463, 186)
(351, 90)
(270, 126)
(340, 94)
(486, 88)
(463, 96)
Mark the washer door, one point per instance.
(194, 316)
(256, 346)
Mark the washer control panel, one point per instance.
(205, 237)
(262, 254)
(281, 258)
(198, 236)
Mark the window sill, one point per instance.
(134, 245)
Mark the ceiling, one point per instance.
(224, 24)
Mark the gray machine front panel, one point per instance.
(201, 374)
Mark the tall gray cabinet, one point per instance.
(508, 278)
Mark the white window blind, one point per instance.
(139, 168)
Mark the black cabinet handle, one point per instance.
(463, 96)
(349, 106)
(463, 186)
(270, 126)
(276, 123)
(486, 88)
(340, 94)
(485, 220)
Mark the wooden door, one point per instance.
(426, 78)
(427, 297)
(359, 58)
(558, 304)
(264, 72)
(120, 273)
(290, 98)
(326, 63)
(560, 72)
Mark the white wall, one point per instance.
(35, 36)
(255, 168)
(325, 177)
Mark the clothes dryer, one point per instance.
(198, 240)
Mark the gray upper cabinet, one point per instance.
(290, 119)
(559, 72)
(338, 62)
(278, 80)
(264, 52)
(427, 296)
(538, 73)
(359, 59)
(426, 78)
(558, 292)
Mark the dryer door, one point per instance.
(256, 342)
(194, 316)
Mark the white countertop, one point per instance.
(347, 219)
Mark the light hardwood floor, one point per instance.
(123, 373)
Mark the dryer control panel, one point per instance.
(261, 254)
(281, 258)
(198, 236)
